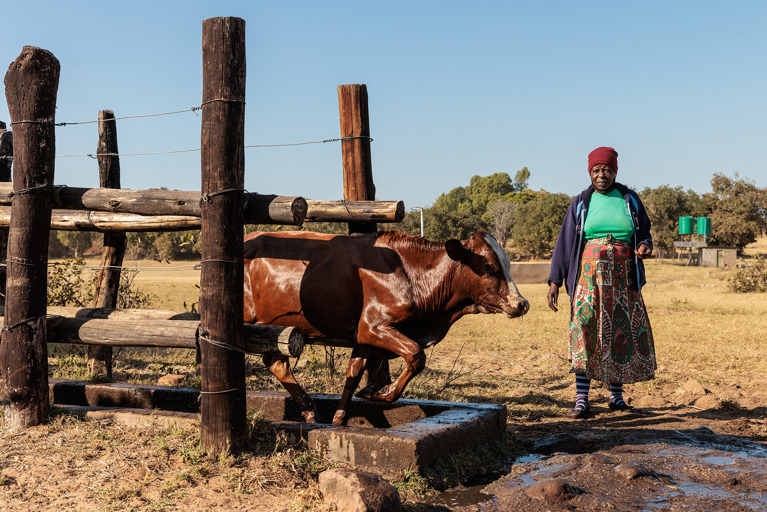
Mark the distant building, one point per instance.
(717, 257)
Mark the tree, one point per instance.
(664, 205)
(738, 210)
(482, 190)
(537, 223)
(76, 241)
(502, 212)
(521, 179)
(451, 216)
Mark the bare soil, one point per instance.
(679, 449)
(676, 450)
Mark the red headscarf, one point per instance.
(604, 155)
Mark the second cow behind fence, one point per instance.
(388, 293)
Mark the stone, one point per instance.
(172, 379)
(632, 471)
(554, 489)
(650, 402)
(356, 491)
(730, 394)
(694, 387)
(596, 458)
(707, 402)
(566, 443)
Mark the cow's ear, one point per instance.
(456, 251)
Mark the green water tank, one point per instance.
(704, 226)
(685, 225)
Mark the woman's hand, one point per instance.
(643, 251)
(553, 296)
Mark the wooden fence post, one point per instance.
(31, 86)
(108, 280)
(222, 404)
(6, 162)
(358, 184)
(355, 149)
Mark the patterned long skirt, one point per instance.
(610, 335)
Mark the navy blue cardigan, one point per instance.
(567, 251)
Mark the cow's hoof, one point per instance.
(338, 417)
(385, 394)
(368, 391)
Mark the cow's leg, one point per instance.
(279, 365)
(357, 362)
(388, 338)
(378, 376)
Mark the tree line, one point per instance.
(527, 222)
(524, 221)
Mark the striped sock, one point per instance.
(582, 386)
(616, 390)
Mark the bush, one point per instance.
(67, 286)
(751, 278)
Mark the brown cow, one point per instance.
(388, 292)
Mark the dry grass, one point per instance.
(702, 331)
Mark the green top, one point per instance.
(608, 214)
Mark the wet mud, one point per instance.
(630, 463)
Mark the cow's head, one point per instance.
(491, 286)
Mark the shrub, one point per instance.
(67, 286)
(751, 278)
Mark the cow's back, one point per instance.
(313, 281)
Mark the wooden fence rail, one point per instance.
(153, 210)
(134, 331)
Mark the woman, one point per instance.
(598, 256)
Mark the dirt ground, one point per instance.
(679, 449)
(682, 448)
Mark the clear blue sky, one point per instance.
(455, 89)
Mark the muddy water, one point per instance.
(676, 470)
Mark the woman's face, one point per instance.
(602, 177)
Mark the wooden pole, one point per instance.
(6, 161)
(74, 220)
(358, 185)
(355, 149)
(222, 403)
(108, 280)
(31, 86)
(107, 333)
(318, 211)
(259, 208)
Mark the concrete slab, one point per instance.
(383, 437)
(135, 417)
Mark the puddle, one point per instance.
(694, 469)
(656, 503)
(719, 461)
(530, 457)
(552, 471)
(461, 497)
(691, 488)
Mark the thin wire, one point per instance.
(203, 335)
(196, 266)
(91, 155)
(9, 328)
(192, 109)
(222, 392)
